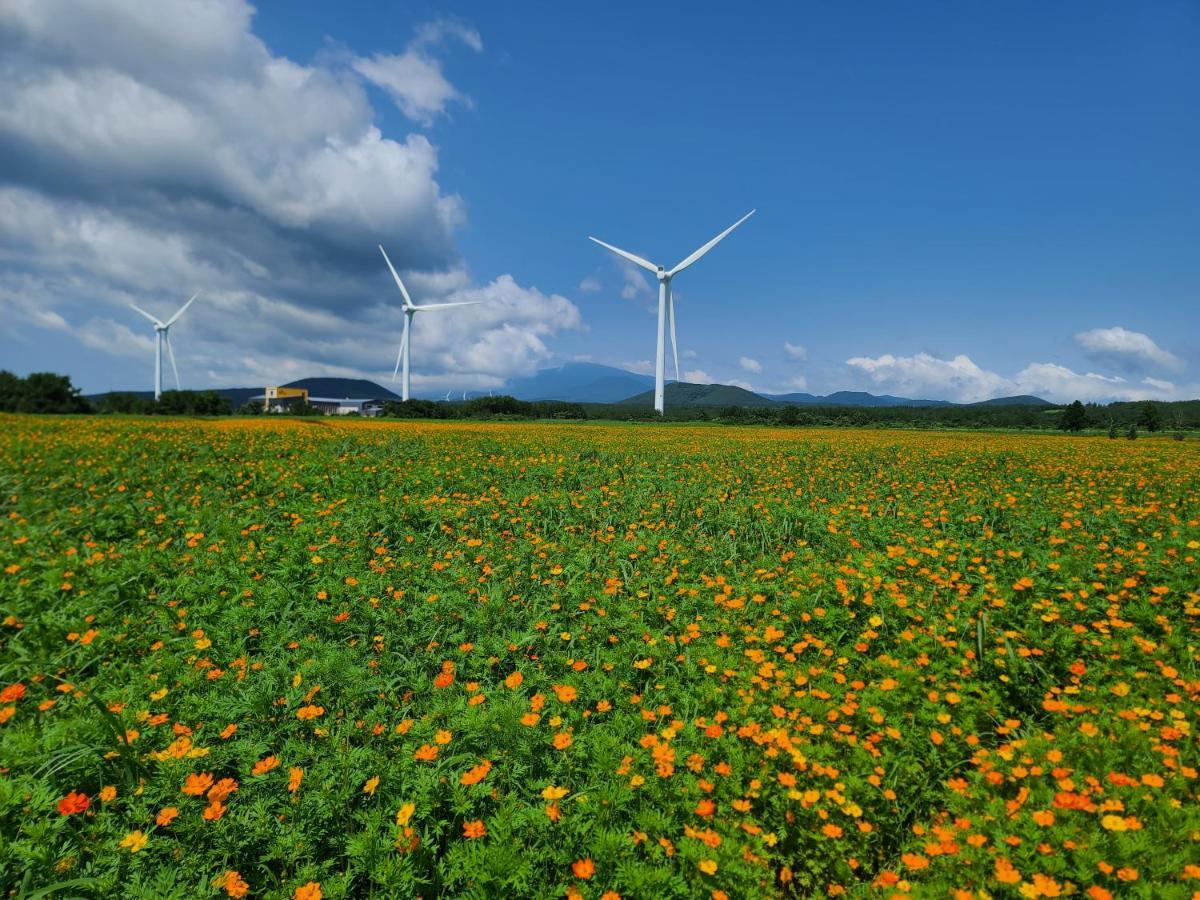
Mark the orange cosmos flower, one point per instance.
(264, 765)
(914, 861)
(426, 753)
(197, 784)
(474, 829)
(220, 791)
(1006, 873)
(310, 712)
(227, 732)
(12, 693)
(583, 868)
(708, 866)
(73, 803)
(108, 793)
(565, 693)
(232, 883)
(166, 816)
(476, 774)
(513, 681)
(214, 811)
(443, 737)
(310, 891)
(295, 776)
(562, 740)
(831, 831)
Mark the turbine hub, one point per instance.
(661, 273)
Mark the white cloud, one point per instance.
(798, 383)
(749, 364)
(590, 285)
(1130, 351)
(414, 79)
(737, 382)
(698, 376)
(959, 379)
(795, 351)
(638, 366)
(152, 149)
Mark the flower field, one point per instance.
(318, 658)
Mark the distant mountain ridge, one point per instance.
(583, 382)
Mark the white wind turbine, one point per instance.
(666, 306)
(409, 309)
(162, 334)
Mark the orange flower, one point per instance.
(232, 883)
(565, 693)
(227, 732)
(708, 866)
(443, 737)
(310, 891)
(476, 774)
(583, 868)
(553, 792)
(426, 753)
(831, 831)
(513, 681)
(914, 861)
(108, 793)
(220, 791)
(264, 765)
(1043, 817)
(197, 784)
(214, 811)
(310, 712)
(295, 776)
(12, 693)
(166, 816)
(474, 829)
(1006, 873)
(73, 803)
(562, 741)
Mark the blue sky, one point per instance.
(953, 200)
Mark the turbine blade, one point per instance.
(699, 253)
(396, 275)
(171, 356)
(674, 346)
(182, 310)
(147, 315)
(629, 256)
(448, 305)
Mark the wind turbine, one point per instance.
(410, 309)
(162, 334)
(666, 306)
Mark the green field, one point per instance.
(329, 658)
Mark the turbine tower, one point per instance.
(666, 306)
(410, 309)
(162, 334)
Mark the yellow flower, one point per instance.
(134, 841)
(405, 813)
(372, 783)
(708, 866)
(554, 793)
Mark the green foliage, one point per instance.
(40, 392)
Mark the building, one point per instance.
(281, 399)
(278, 399)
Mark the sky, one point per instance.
(954, 201)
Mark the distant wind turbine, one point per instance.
(447, 397)
(162, 334)
(410, 309)
(666, 306)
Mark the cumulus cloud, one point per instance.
(797, 383)
(148, 150)
(698, 376)
(961, 380)
(1130, 351)
(795, 351)
(749, 364)
(414, 79)
(590, 285)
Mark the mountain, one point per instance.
(579, 382)
(853, 398)
(684, 394)
(1020, 400)
(340, 388)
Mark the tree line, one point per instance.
(46, 392)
